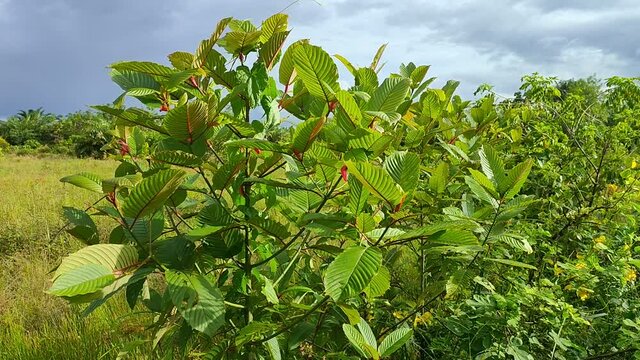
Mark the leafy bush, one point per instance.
(388, 224)
(82, 134)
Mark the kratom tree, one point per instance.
(387, 196)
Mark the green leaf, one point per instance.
(270, 227)
(513, 263)
(260, 144)
(133, 117)
(351, 272)
(81, 226)
(348, 114)
(181, 60)
(273, 348)
(377, 57)
(176, 157)
(85, 180)
(270, 51)
(188, 122)
(287, 72)
(480, 192)
(199, 302)
(380, 283)
(129, 80)
(404, 168)
(114, 257)
(389, 95)
(240, 42)
(151, 193)
(81, 280)
(206, 46)
(273, 25)
(516, 177)
(358, 341)
(376, 180)
(367, 333)
(394, 341)
(175, 253)
(358, 196)
(439, 178)
(144, 67)
(306, 133)
(270, 292)
(346, 63)
(484, 181)
(492, 164)
(317, 70)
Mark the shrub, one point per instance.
(392, 206)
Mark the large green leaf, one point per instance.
(274, 24)
(359, 343)
(188, 122)
(492, 164)
(511, 185)
(351, 272)
(389, 95)
(85, 180)
(81, 226)
(358, 196)
(287, 72)
(394, 341)
(240, 42)
(306, 133)
(380, 283)
(81, 280)
(348, 114)
(199, 302)
(377, 180)
(144, 67)
(129, 80)
(133, 117)
(317, 70)
(176, 157)
(206, 46)
(151, 193)
(114, 257)
(439, 178)
(404, 167)
(513, 263)
(270, 51)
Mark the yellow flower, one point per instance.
(425, 319)
(399, 314)
(583, 293)
(600, 239)
(581, 266)
(626, 247)
(611, 189)
(630, 275)
(557, 269)
(634, 164)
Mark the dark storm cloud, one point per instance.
(54, 53)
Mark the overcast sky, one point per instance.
(54, 53)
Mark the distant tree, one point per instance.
(32, 124)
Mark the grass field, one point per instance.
(34, 325)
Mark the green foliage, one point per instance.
(392, 204)
(81, 134)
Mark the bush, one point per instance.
(487, 229)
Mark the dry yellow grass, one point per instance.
(34, 325)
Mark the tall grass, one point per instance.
(34, 325)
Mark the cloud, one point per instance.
(54, 54)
